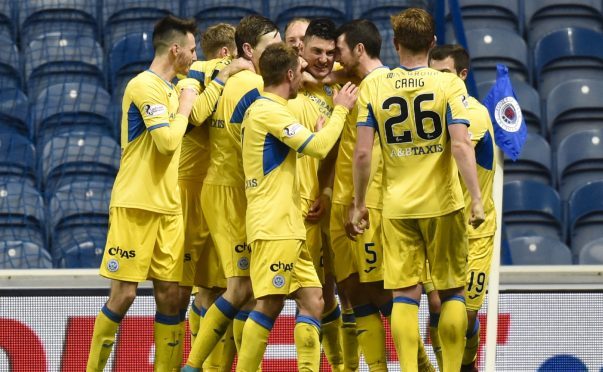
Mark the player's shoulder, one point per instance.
(144, 83)
(380, 72)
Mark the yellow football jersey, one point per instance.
(148, 179)
(194, 156)
(271, 137)
(343, 185)
(307, 107)
(225, 167)
(411, 109)
(482, 136)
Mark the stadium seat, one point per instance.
(14, 107)
(17, 159)
(68, 159)
(122, 17)
(66, 17)
(571, 53)
(579, 161)
(532, 209)
(574, 106)
(80, 247)
(61, 58)
(528, 100)
(490, 46)
(545, 16)
(21, 213)
(10, 67)
(480, 14)
(210, 12)
(282, 11)
(23, 255)
(388, 55)
(539, 250)
(592, 253)
(533, 164)
(129, 56)
(586, 216)
(381, 10)
(8, 20)
(69, 107)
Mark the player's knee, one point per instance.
(311, 302)
(121, 300)
(240, 292)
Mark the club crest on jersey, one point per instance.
(112, 265)
(291, 130)
(154, 110)
(243, 263)
(508, 114)
(328, 90)
(278, 281)
(464, 101)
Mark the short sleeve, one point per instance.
(366, 116)
(284, 126)
(457, 100)
(152, 103)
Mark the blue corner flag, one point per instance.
(510, 129)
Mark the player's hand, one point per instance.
(318, 209)
(237, 64)
(478, 216)
(320, 123)
(346, 96)
(358, 221)
(186, 101)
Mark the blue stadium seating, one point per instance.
(592, 253)
(71, 107)
(67, 17)
(17, 159)
(534, 162)
(388, 55)
(23, 255)
(8, 24)
(81, 247)
(282, 11)
(571, 53)
(532, 209)
(574, 106)
(478, 14)
(21, 213)
(579, 160)
(14, 107)
(586, 216)
(488, 47)
(10, 68)
(210, 12)
(539, 250)
(381, 10)
(61, 58)
(128, 57)
(545, 16)
(68, 159)
(122, 17)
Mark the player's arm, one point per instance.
(326, 177)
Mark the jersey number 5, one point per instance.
(419, 117)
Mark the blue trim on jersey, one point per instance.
(111, 315)
(182, 315)
(165, 81)
(405, 300)
(484, 152)
(411, 68)
(386, 309)
(365, 310)
(434, 319)
(242, 315)
(454, 298)
(226, 308)
(157, 126)
(371, 120)
(262, 319)
(167, 319)
(197, 75)
(242, 106)
(135, 123)
(303, 145)
(475, 329)
(348, 318)
(202, 311)
(308, 320)
(450, 120)
(196, 310)
(219, 81)
(274, 154)
(333, 315)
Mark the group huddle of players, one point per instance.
(302, 169)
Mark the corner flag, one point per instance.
(510, 129)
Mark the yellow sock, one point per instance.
(180, 346)
(237, 327)
(349, 341)
(215, 322)
(371, 336)
(167, 339)
(255, 338)
(221, 359)
(228, 351)
(434, 319)
(331, 339)
(452, 328)
(194, 320)
(422, 359)
(103, 338)
(405, 331)
(472, 345)
(307, 343)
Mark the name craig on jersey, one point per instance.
(418, 150)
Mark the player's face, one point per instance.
(268, 39)
(320, 56)
(185, 54)
(297, 81)
(347, 57)
(294, 36)
(444, 65)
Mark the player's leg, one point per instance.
(331, 324)
(433, 299)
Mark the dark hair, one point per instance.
(251, 29)
(276, 60)
(216, 37)
(414, 29)
(457, 52)
(168, 28)
(362, 31)
(322, 28)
